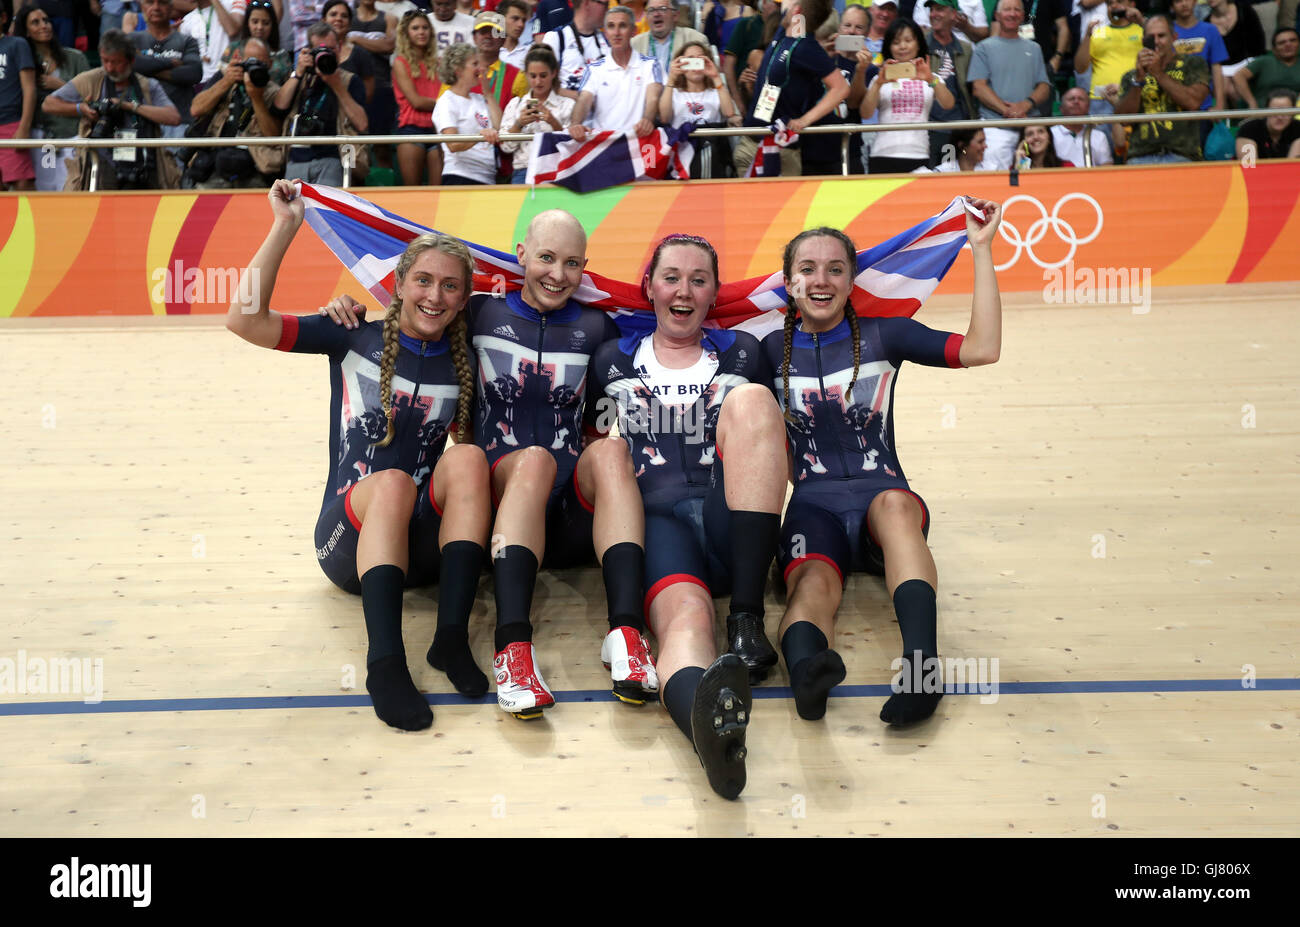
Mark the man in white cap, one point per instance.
(882, 16)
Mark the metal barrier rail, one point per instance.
(346, 142)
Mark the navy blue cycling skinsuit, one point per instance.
(425, 390)
(844, 447)
(671, 430)
(532, 383)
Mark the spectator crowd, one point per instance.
(238, 69)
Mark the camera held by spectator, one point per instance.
(113, 101)
(236, 104)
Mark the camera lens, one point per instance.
(326, 61)
(257, 72)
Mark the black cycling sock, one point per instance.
(922, 687)
(623, 568)
(914, 603)
(462, 561)
(381, 603)
(516, 575)
(397, 702)
(814, 668)
(754, 537)
(450, 653)
(679, 697)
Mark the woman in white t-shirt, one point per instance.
(460, 112)
(698, 96)
(903, 100)
(541, 109)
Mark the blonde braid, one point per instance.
(387, 366)
(432, 241)
(458, 338)
(785, 363)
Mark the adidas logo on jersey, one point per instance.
(505, 331)
(613, 372)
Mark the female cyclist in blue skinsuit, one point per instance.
(398, 510)
(852, 510)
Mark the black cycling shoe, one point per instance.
(747, 640)
(719, 718)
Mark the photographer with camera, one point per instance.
(113, 101)
(235, 104)
(320, 98)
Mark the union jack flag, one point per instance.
(607, 159)
(767, 160)
(894, 278)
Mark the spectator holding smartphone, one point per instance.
(903, 91)
(541, 109)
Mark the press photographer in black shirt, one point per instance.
(320, 98)
(235, 104)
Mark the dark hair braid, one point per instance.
(852, 317)
(387, 366)
(785, 362)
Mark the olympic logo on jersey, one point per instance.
(1038, 229)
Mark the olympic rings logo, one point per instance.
(1038, 230)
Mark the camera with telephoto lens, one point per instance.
(258, 72)
(134, 174)
(324, 59)
(112, 116)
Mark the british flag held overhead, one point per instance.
(894, 278)
(607, 159)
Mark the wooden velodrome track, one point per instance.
(1105, 522)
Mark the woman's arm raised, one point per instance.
(983, 341)
(254, 321)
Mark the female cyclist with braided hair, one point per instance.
(852, 510)
(687, 399)
(398, 511)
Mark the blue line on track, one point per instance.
(282, 703)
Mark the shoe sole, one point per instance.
(629, 693)
(528, 714)
(719, 719)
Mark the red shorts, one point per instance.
(15, 163)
